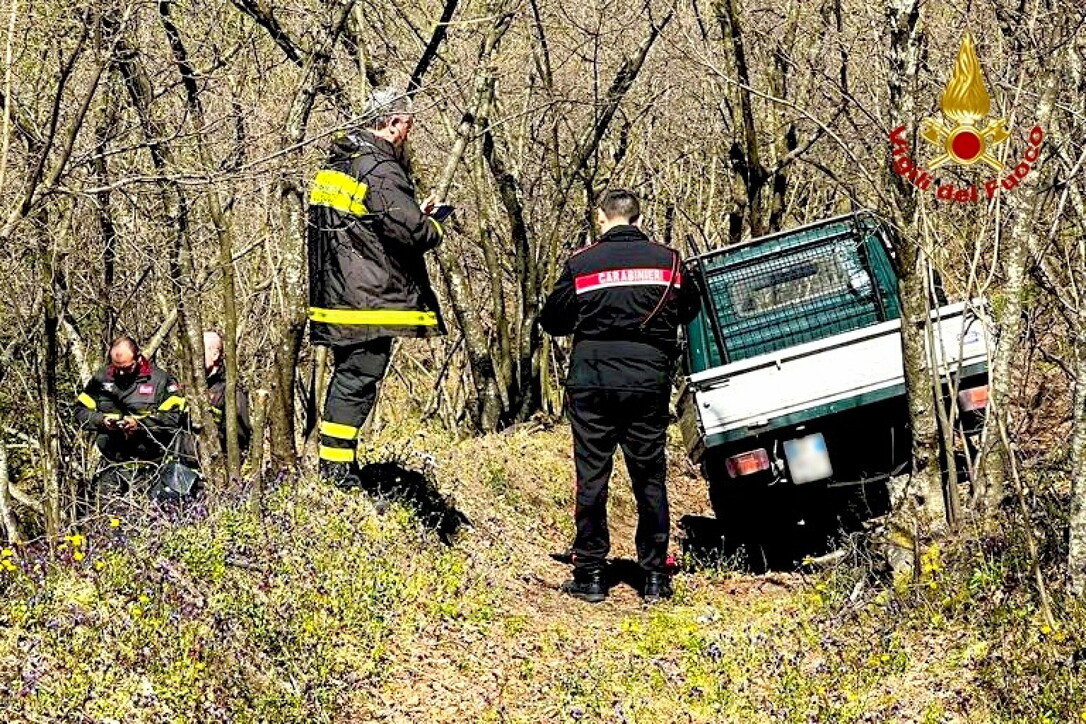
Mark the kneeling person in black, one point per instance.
(137, 412)
(622, 299)
(215, 368)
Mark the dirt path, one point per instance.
(519, 666)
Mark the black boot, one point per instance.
(586, 585)
(342, 475)
(657, 588)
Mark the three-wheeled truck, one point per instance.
(793, 402)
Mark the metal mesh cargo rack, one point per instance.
(793, 287)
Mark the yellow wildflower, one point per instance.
(144, 599)
(76, 540)
(98, 565)
(136, 611)
(7, 553)
(7, 565)
(78, 556)
(114, 522)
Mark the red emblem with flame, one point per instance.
(961, 139)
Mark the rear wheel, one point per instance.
(774, 527)
(758, 522)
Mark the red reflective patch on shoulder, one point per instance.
(147, 389)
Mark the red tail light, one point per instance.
(975, 398)
(747, 463)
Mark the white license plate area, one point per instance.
(808, 459)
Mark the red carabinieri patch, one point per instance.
(147, 389)
(626, 278)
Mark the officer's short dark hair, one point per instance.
(126, 340)
(620, 204)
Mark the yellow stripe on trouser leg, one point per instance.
(338, 431)
(87, 401)
(337, 454)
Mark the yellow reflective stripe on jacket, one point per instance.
(438, 226)
(338, 431)
(173, 402)
(336, 454)
(87, 401)
(339, 191)
(377, 317)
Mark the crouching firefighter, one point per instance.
(622, 299)
(138, 413)
(215, 369)
(368, 282)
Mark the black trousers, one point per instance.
(351, 394)
(636, 420)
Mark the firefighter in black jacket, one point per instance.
(215, 367)
(622, 299)
(138, 413)
(367, 274)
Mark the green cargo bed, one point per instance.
(789, 288)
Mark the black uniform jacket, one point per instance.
(623, 299)
(216, 387)
(150, 395)
(366, 238)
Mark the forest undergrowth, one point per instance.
(433, 597)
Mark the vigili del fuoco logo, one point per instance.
(962, 137)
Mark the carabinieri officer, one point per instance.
(623, 299)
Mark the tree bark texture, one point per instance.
(925, 488)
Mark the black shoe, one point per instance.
(657, 588)
(342, 475)
(587, 586)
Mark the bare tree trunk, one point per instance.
(256, 448)
(12, 531)
(225, 234)
(925, 487)
(160, 335)
(318, 390)
(486, 410)
(441, 29)
(49, 438)
(106, 119)
(1024, 208)
(1076, 555)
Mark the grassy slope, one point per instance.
(326, 610)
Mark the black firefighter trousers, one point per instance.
(351, 394)
(637, 420)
